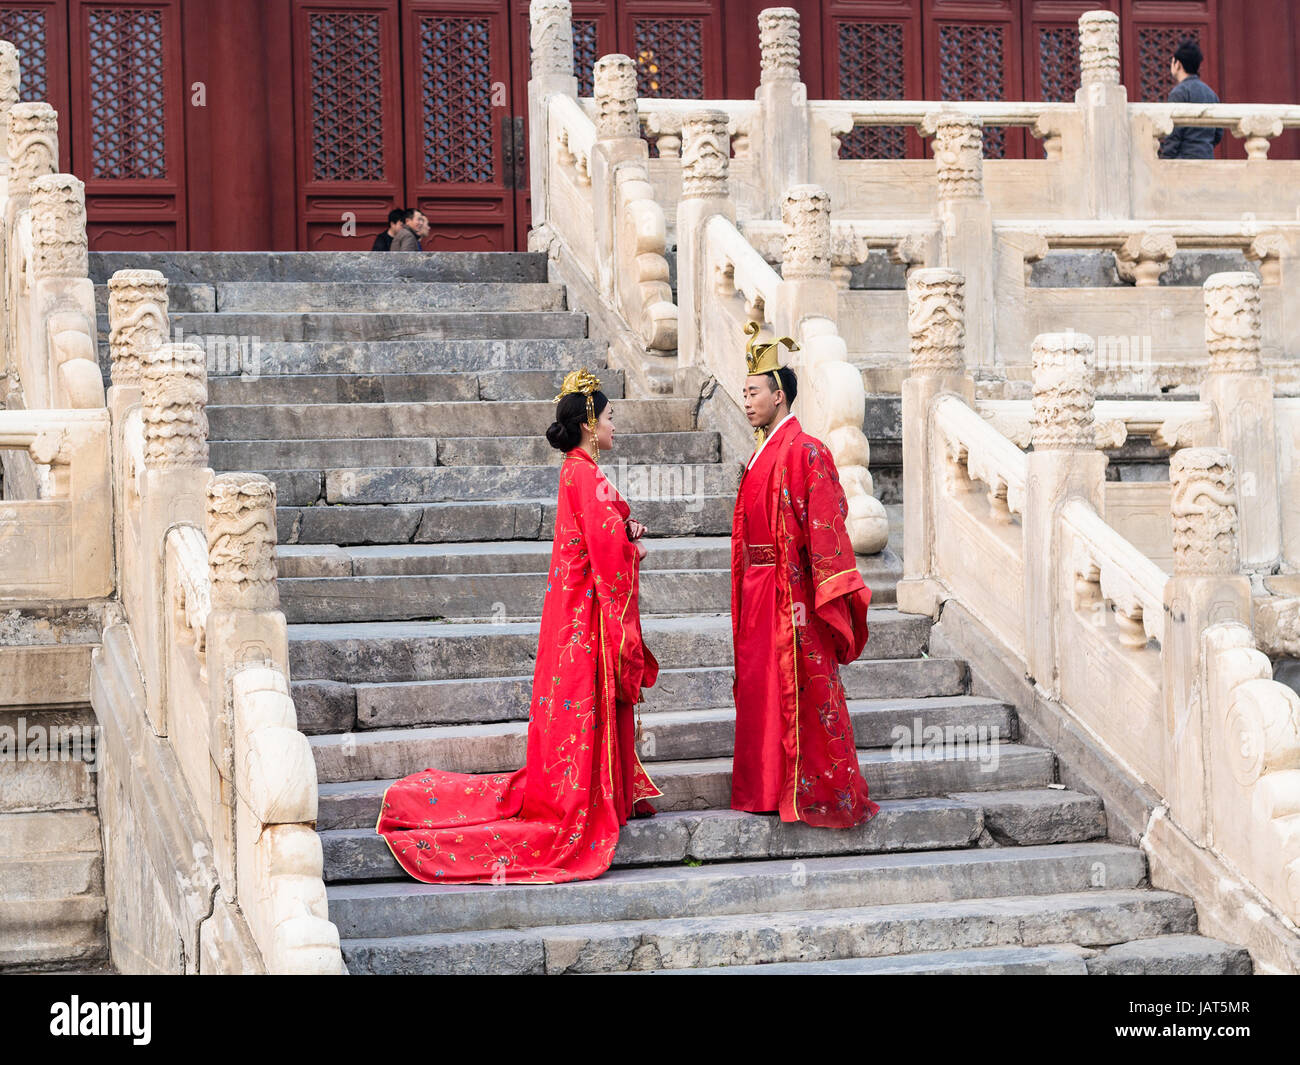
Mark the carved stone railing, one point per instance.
(595, 211)
(56, 543)
(209, 645)
(207, 793)
(1159, 669)
(724, 283)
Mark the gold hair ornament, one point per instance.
(583, 383)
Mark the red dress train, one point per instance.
(558, 817)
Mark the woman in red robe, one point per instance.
(558, 817)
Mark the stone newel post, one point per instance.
(618, 141)
(1107, 143)
(966, 224)
(783, 106)
(550, 41)
(9, 82)
(63, 326)
(173, 484)
(1064, 463)
(936, 322)
(1242, 397)
(1205, 588)
(245, 627)
(706, 157)
(831, 401)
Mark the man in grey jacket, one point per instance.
(1190, 142)
(407, 238)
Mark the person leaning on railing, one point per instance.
(1190, 142)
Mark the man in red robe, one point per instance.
(798, 609)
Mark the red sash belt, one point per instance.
(760, 555)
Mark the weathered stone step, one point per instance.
(731, 835)
(208, 267)
(398, 388)
(410, 651)
(683, 485)
(670, 735)
(51, 876)
(479, 595)
(467, 522)
(1171, 955)
(391, 325)
(319, 455)
(464, 355)
(527, 556)
(705, 784)
(694, 446)
(1096, 917)
(332, 706)
(305, 420)
(678, 483)
(407, 908)
(385, 296)
(64, 931)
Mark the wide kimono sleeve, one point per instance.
(840, 595)
(615, 569)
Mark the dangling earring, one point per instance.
(591, 424)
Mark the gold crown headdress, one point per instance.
(583, 383)
(761, 358)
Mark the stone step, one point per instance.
(361, 325)
(51, 876)
(386, 652)
(333, 706)
(501, 596)
(463, 355)
(705, 784)
(409, 908)
(526, 556)
(678, 483)
(468, 522)
(398, 388)
(693, 446)
(348, 420)
(670, 735)
(633, 448)
(1170, 955)
(1094, 918)
(382, 297)
(64, 931)
(207, 267)
(732, 835)
(685, 486)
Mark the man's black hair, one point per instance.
(785, 379)
(397, 214)
(1188, 53)
(407, 213)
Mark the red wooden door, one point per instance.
(348, 120)
(39, 30)
(872, 51)
(128, 134)
(677, 46)
(463, 168)
(972, 53)
(1151, 30)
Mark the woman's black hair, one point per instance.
(565, 432)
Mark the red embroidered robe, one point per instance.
(798, 609)
(558, 817)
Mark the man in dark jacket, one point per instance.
(384, 241)
(1190, 142)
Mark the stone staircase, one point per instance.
(399, 407)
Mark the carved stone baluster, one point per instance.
(1144, 257)
(1232, 323)
(936, 322)
(175, 408)
(705, 155)
(1099, 48)
(137, 319)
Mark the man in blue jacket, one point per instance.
(1190, 142)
